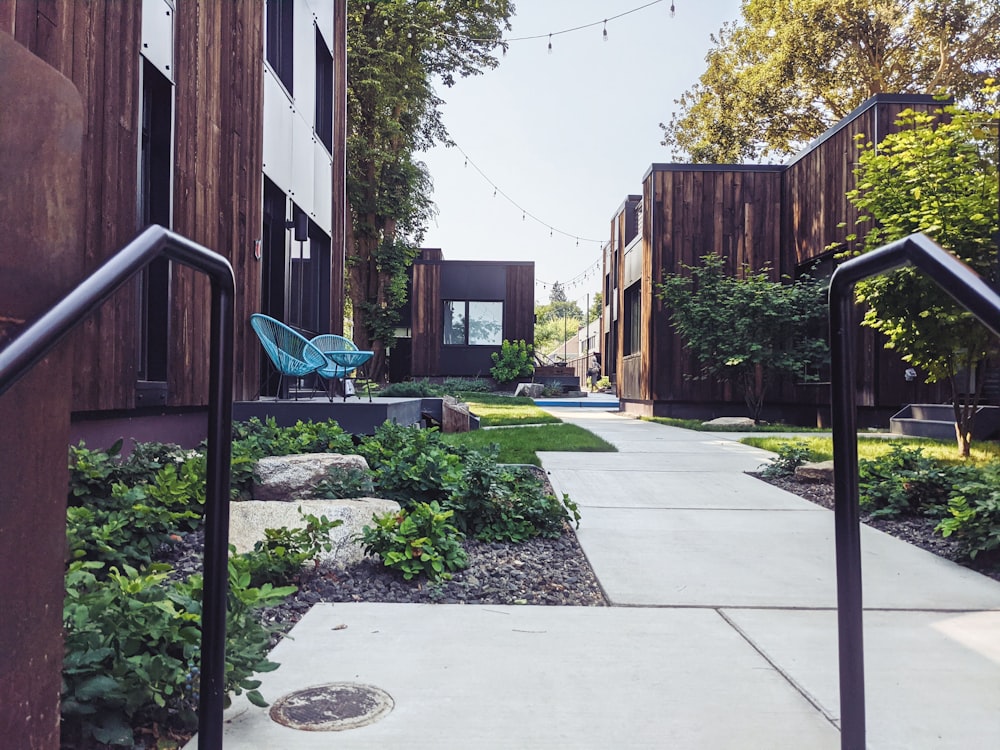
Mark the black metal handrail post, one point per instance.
(962, 283)
(32, 344)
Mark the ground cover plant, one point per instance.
(913, 479)
(519, 445)
(497, 411)
(700, 426)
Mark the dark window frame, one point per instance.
(465, 322)
(323, 124)
(279, 17)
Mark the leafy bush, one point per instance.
(513, 361)
(455, 386)
(974, 513)
(412, 389)
(345, 482)
(411, 464)
(506, 503)
(132, 644)
(279, 557)
(416, 541)
(906, 482)
(791, 455)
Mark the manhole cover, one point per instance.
(332, 708)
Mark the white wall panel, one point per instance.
(303, 145)
(322, 13)
(322, 188)
(278, 118)
(304, 61)
(158, 35)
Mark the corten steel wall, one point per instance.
(217, 168)
(41, 212)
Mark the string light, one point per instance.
(605, 29)
(524, 212)
(672, 10)
(550, 44)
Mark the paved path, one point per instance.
(723, 633)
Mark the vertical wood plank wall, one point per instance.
(755, 215)
(428, 319)
(519, 306)
(217, 183)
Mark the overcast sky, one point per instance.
(567, 135)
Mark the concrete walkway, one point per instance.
(722, 634)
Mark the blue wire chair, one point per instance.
(341, 358)
(291, 353)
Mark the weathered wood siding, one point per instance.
(696, 210)
(217, 168)
(428, 319)
(519, 305)
(217, 182)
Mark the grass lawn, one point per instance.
(696, 424)
(518, 445)
(497, 411)
(821, 448)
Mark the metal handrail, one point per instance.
(970, 291)
(28, 348)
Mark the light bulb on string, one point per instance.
(605, 29)
(550, 44)
(672, 10)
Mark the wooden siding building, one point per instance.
(458, 313)
(784, 216)
(225, 122)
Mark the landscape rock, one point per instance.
(530, 390)
(290, 477)
(731, 422)
(247, 521)
(820, 471)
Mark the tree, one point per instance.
(789, 69)
(937, 175)
(746, 331)
(596, 308)
(557, 293)
(395, 50)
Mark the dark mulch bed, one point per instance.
(917, 530)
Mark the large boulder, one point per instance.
(730, 422)
(286, 478)
(247, 521)
(819, 471)
(531, 390)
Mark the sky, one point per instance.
(566, 135)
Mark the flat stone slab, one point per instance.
(502, 677)
(248, 519)
(730, 422)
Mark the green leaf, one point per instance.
(257, 699)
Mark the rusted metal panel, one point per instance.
(41, 210)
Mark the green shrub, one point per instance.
(906, 482)
(279, 557)
(974, 513)
(411, 464)
(132, 643)
(345, 482)
(456, 386)
(416, 541)
(412, 389)
(506, 503)
(513, 361)
(790, 456)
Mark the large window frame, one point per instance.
(278, 19)
(472, 322)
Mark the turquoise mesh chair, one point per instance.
(341, 359)
(291, 353)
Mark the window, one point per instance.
(473, 323)
(633, 319)
(324, 93)
(278, 43)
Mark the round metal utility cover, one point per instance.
(332, 708)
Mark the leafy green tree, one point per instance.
(550, 332)
(748, 331)
(596, 308)
(557, 293)
(395, 51)
(788, 69)
(937, 175)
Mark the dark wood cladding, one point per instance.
(217, 183)
(755, 216)
(519, 306)
(428, 319)
(217, 167)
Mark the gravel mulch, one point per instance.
(917, 530)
